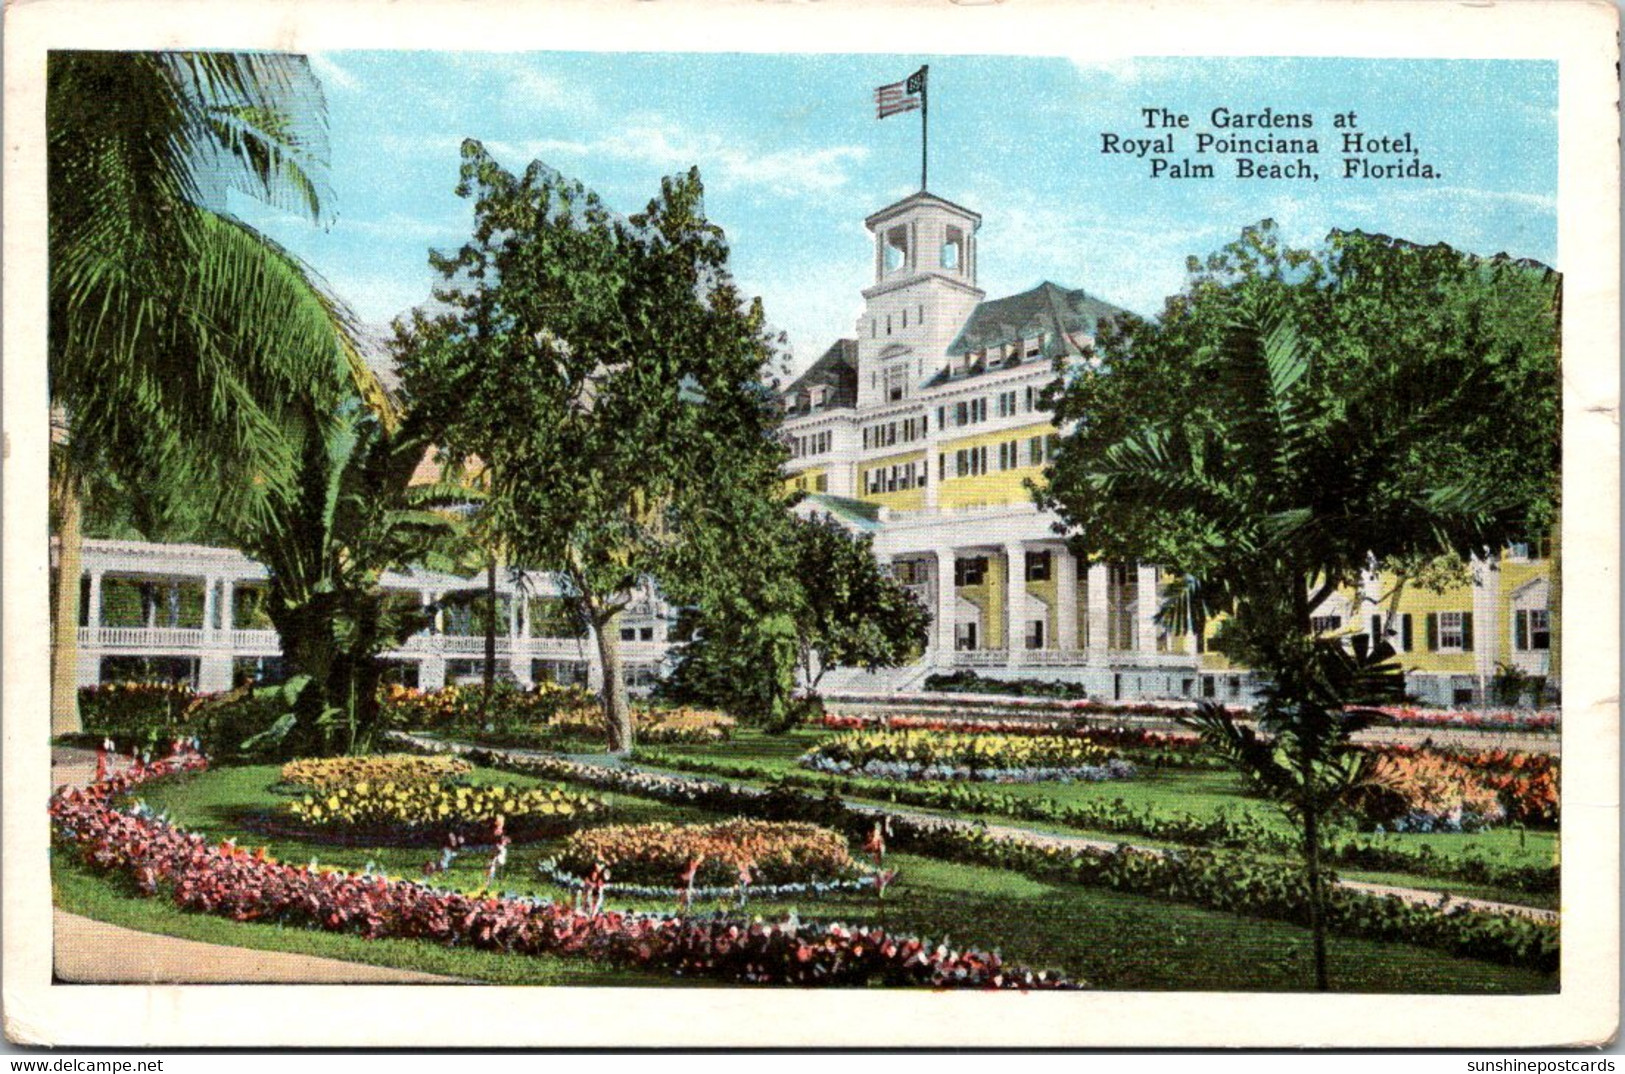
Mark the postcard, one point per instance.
(734, 524)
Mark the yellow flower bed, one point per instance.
(405, 808)
(651, 725)
(775, 852)
(973, 751)
(327, 774)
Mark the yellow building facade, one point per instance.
(925, 431)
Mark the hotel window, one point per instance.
(964, 636)
(1035, 451)
(1325, 624)
(1532, 629)
(953, 248)
(1037, 566)
(1029, 405)
(822, 484)
(961, 413)
(1399, 639)
(971, 571)
(1035, 634)
(1450, 632)
(942, 467)
(942, 417)
(919, 313)
(888, 324)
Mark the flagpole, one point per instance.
(925, 106)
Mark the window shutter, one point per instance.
(1520, 630)
(1433, 631)
(1407, 639)
(1466, 632)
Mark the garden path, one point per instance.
(85, 951)
(1042, 838)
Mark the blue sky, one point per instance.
(793, 160)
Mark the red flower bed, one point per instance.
(221, 879)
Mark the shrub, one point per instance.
(333, 773)
(769, 852)
(137, 713)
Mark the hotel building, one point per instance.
(924, 431)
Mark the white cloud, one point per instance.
(331, 73)
(725, 163)
(402, 226)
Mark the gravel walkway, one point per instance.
(85, 951)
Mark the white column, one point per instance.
(1099, 582)
(1015, 601)
(1146, 610)
(518, 651)
(93, 604)
(215, 666)
(210, 584)
(228, 609)
(1066, 598)
(1487, 638)
(88, 670)
(945, 605)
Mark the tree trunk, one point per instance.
(490, 638)
(65, 627)
(617, 710)
(1317, 896)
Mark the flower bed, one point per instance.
(929, 755)
(1426, 792)
(1473, 719)
(766, 851)
(1228, 882)
(679, 725)
(223, 880)
(325, 774)
(1527, 783)
(1156, 749)
(416, 813)
(1241, 830)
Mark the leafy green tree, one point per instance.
(356, 514)
(182, 342)
(854, 614)
(1293, 419)
(609, 378)
(819, 600)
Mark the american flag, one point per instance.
(905, 96)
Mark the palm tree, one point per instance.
(178, 335)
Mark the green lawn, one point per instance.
(1200, 792)
(1112, 940)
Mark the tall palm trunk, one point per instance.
(65, 626)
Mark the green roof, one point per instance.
(855, 513)
(1061, 314)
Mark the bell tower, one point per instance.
(924, 288)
